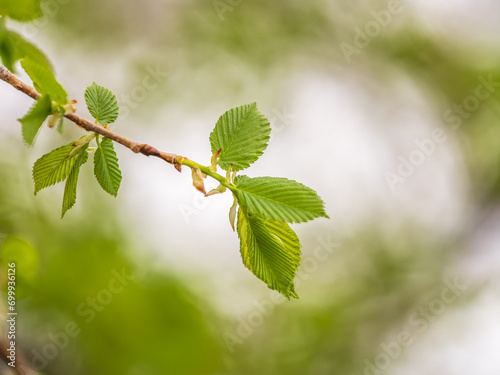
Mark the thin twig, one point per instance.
(136, 147)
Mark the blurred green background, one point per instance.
(388, 109)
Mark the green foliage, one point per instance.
(69, 197)
(44, 81)
(242, 133)
(34, 119)
(20, 10)
(64, 162)
(270, 250)
(13, 47)
(102, 104)
(106, 168)
(279, 199)
(54, 167)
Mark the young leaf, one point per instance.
(45, 81)
(60, 125)
(102, 104)
(270, 250)
(69, 197)
(14, 47)
(8, 51)
(279, 199)
(232, 212)
(34, 119)
(20, 10)
(106, 168)
(242, 133)
(57, 120)
(54, 167)
(26, 49)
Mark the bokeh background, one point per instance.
(389, 109)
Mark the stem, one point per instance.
(89, 126)
(191, 164)
(136, 147)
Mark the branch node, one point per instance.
(135, 147)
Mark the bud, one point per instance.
(82, 142)
(69, 108)
(232, 213)
(198, 180)
(220, 189)
(213, 161)
(228, 173)
(53, 119)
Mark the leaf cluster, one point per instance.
(263, 207)
(64, 162)
(270, 249)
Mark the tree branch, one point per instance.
(89, 126)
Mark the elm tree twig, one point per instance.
(89, 126)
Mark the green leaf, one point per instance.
(34, 119)
(106, 168)
(14, 47)
(69, 197)
(26, 49)
(20, 10)
(44, 81)
(8, 51)
(270, 250)
(55, 166)
(242, 133)
(279, 199)
(102, 104)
